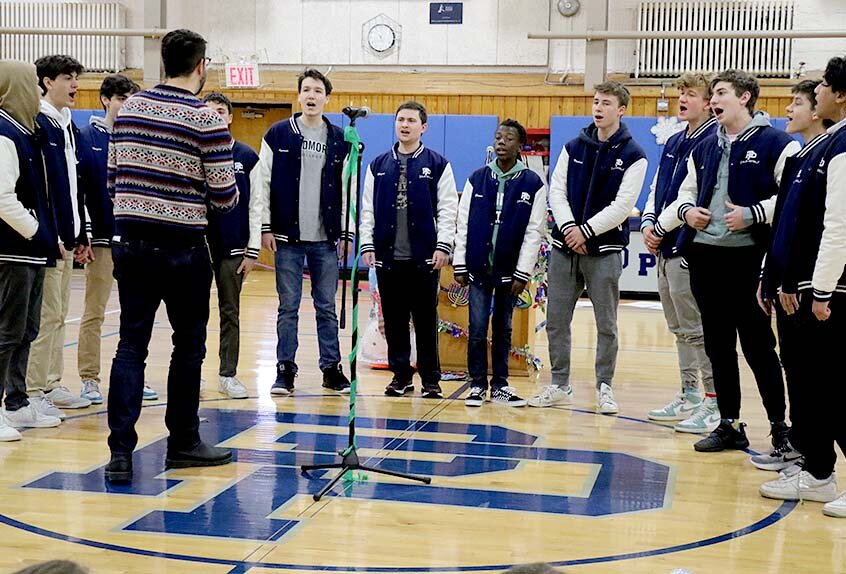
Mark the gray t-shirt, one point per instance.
(402, 244)
(311, 171)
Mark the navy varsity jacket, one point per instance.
(53, 147)
(816, 256)
(27, 226)
(756, 164)
(594, 186)
(278, 181)
(671, 173)
(229, 233)
(93, 152)
(797, 181)
(432, 204)
(521, 229)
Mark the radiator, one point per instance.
(767, 57)
(96, 53)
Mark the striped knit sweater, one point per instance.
(170, 156)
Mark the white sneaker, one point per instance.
(64, 399)
(91, 391)
(800, 486)
(837, 507)
(7, 432)
(28, 417)
(46, 407)
(704, 419)
(605, 400)
(681, 407)
(552, 395)
(232, 388)
(149, 394)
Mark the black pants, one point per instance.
(229, 306)
(21, 288)
(410, 293)
(147, 275)
(791, 347)
(820, 344)
(724, 281)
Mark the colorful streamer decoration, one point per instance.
(522, 353)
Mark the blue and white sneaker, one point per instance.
(150, 394)
(91, 391)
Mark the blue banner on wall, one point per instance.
(446, 12)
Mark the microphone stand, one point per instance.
(349, 456)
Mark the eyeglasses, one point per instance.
(825, 84)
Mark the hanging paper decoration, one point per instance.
(458, 295)
(522, 353)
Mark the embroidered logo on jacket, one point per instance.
(239, 167)
(426, 173)
(525, 197)
(618, 165)
(751, 157)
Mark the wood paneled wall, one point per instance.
(524, 97)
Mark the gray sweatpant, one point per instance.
(569, 275)
(684, 321)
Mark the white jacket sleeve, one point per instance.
(648, 216)
(447, 207)
(673, 215)
(618, 211)
(12, 211)
(260, 186)
(459, 256)
(831, 258)
(368, 220)
(255, 213)
(535, 232)
(558, 202)
(763, 211)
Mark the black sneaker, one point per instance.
(335, 380)
(506, 396)
(476, 397)
(432, 390)
(284, 385)
(724, 437)
(119, 468)
(778, 433)
(201, 455)
(398, 387)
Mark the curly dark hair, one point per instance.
(314, 74)
(53, 66)
(835, 74)
(521, 131)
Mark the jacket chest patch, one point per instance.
(618, 165)
(425, 173)
(750, 157)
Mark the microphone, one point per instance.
(354, 113)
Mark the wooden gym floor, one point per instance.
(590, 493)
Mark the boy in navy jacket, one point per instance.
(28, 243)
(697, 414)
(594, 187)
(727, 200)
(777, 284)
(58, 78)
(234, 252)
(298, 200)
(407, 228)
(813, 256)
(501, 222)
(93, 153)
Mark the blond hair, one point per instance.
(695, 80)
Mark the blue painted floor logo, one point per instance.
(622, 483)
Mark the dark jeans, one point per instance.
(322, 261)
(724, 281)
(411, 293)
(147, 275)
(21, 287)
(819, 346)
(229, 305)
(477, 344)
(790, 349)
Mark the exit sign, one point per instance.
(242, 76)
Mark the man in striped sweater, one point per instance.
(170, 157)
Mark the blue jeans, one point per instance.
(147, 275)
(477, 345)
(322, 259)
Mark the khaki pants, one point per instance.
(46, 361)
(98, 288)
